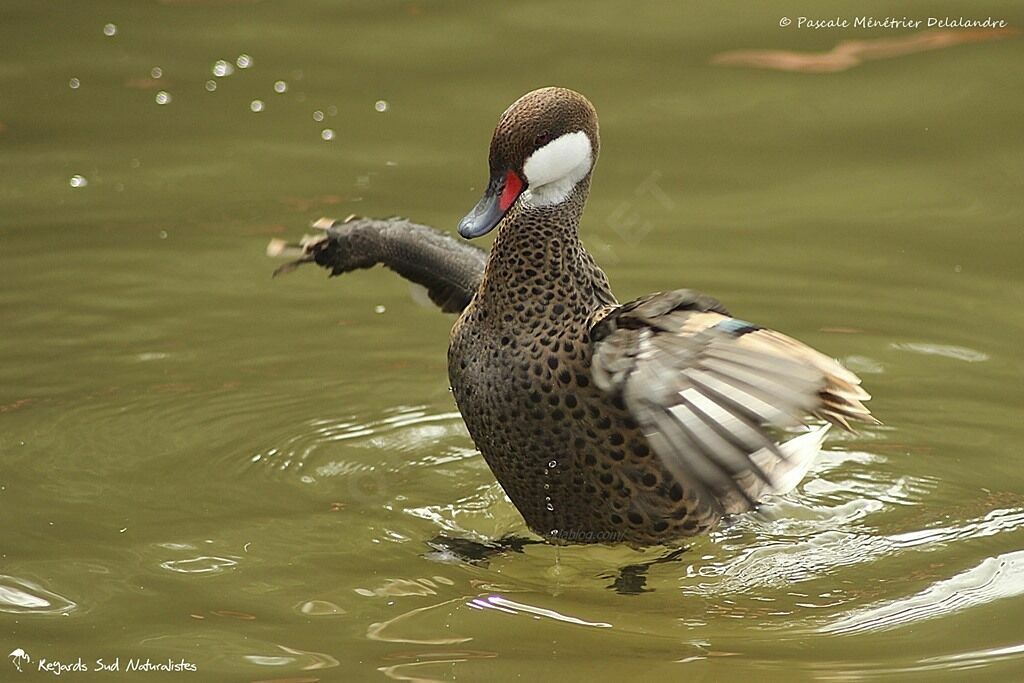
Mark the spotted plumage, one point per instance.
(638, 423)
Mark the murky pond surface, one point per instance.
(200, 463)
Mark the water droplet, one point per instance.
(256, 105)
(553, 532)
(318, 116)
(379, 309)
(280, 87)
(74, 83)
(211, 85)
(156, 72)
(110, 30)
(332, 110)
(381, 105)
(244, 61)
(553, 464)
(222, 68)
(163, 97)
(163, 234)
(327, 134)
(78, 181)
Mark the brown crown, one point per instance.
(536, 119)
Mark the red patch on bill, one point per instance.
(513, 188)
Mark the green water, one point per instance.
(200, 463)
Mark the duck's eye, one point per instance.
(542, 139)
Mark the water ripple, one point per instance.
(203, 564)
(240, 651)
(501, 604)
(21, 596)
(779, 563)
(994, 579)
(407, 430)
(955, 352)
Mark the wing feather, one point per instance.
(710, 391)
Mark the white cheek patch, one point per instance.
(554, 169)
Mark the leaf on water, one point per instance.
(21, 402)
(851, 53)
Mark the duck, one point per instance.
(639, 423)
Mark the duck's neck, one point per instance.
(538, 255)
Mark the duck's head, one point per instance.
(545, 144)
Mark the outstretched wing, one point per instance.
(450, 270)
(707, 390)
